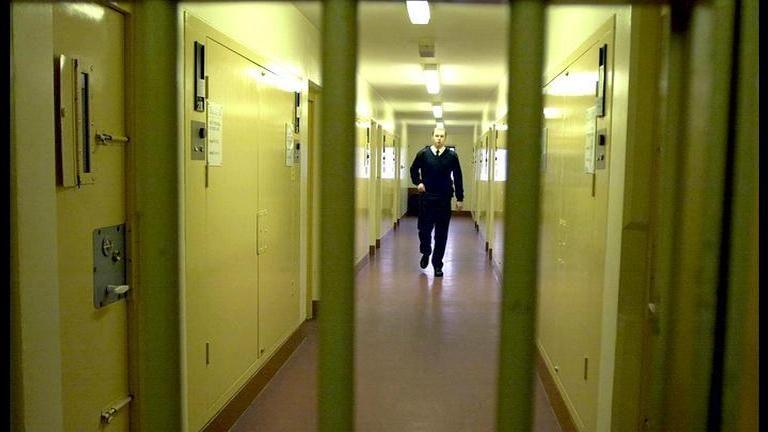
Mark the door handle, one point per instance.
(106, 138)
(117, 289)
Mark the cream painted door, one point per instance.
(574, 206)
(242, 249)
(375, 179)
(386, 183)
(278, 194)
(499, 194)
(91, 195)
(362, 190)
(228, 299)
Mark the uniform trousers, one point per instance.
(434, 212)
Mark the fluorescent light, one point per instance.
(437, 110)
(440, 125)
(418, 11)
(432, 78)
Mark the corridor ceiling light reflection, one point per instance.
(552, 113)
(573, 84)
(418, 11)
(440, 125)
(432, 78)
(437, 110)
(93, 12)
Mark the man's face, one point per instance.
(438, 137)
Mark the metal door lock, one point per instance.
(106, 246)
(109, 266)
(198, 135)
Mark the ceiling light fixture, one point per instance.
(437, 110)
(432, 78)
(440, 125)
(418, 11)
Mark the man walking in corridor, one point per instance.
(431, 171)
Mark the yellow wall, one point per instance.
(276, 30)
(36, 380)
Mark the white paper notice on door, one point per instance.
(589, 143)
(289, 144)
(215, 128)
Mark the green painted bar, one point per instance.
(521, 213)
(156, 341)
(337, 223)
(667, 208)
(741, 369)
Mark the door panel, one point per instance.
(499, 194)
(241, 224)
(230, 271)
(387, 183)
(362, 190)
(278, 197)
(94, 341)
(572, 234)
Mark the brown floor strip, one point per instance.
(553, 395)
(243, 399)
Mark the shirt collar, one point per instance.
(434, 150)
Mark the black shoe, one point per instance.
(438, 273)
(424, 261)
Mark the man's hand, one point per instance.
(459, 205)
(420, 187)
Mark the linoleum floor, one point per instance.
(425, 347)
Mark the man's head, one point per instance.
(438, 137)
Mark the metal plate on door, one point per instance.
(109, 275)
(198, 140)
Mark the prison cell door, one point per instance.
(89, 77)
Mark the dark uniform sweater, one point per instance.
(435, 172)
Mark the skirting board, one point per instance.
(567, 424)
(228, 415)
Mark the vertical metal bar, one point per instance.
(521, 217)
(156, 353)
(336, 322)
(673, 111)
(740, 376)
(690, 249)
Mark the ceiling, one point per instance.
(470, 47)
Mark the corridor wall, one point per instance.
(578, 347)
(245, 221)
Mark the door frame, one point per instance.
(312, 148)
